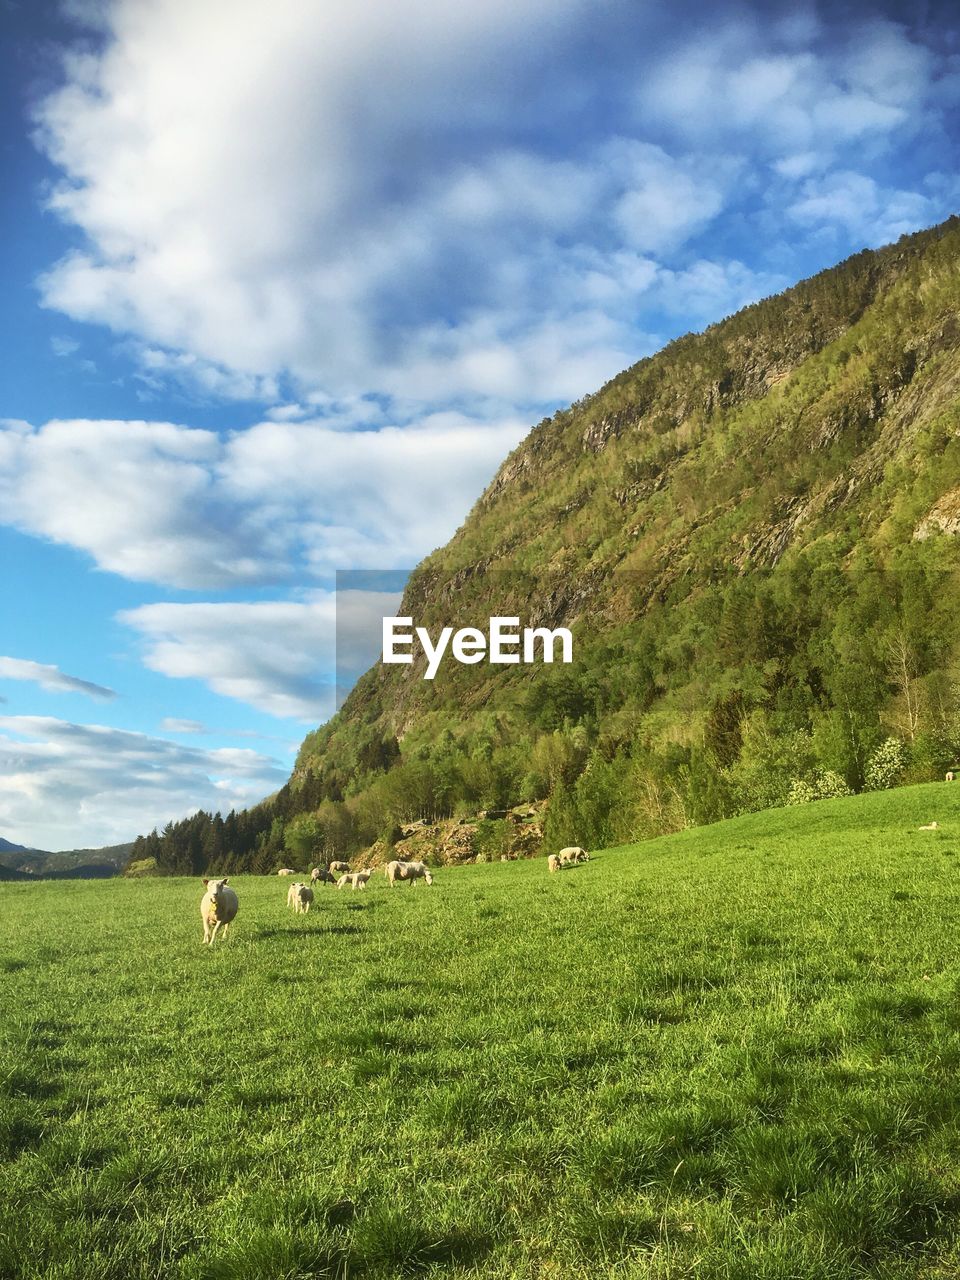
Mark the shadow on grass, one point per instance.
(396, 984)
(20, 1084)
(296, 930)
(383, 1040)
(395, 1242)
(385, 1243)
(47, 1034)
(17, 1135)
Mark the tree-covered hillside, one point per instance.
(753, 538)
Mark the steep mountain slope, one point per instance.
(751, 537)
(826, 412)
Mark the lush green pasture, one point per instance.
(729, 1053)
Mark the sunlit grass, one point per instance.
(732, 1053)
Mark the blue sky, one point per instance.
(284, 283)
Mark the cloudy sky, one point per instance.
(284, 282)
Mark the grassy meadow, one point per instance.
(731, 1053)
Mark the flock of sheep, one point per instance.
(220, 904)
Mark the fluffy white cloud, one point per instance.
(782, 88)
(245, 173)
(82, 785)
(287, 658)
(858, 204)
(50, 678)
(363, 199)
(184, 507)
(277, 656)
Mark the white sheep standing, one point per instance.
(355, 879)
(553, 863)
(299, 896)
(411, 871)
(572, 855)
(949, 777)
(218, 906)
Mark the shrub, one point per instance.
(827, 785)
(885, 765)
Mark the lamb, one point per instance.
(553, 863)
(299, 896)
(411, 871)
(572, 855)
(930, 826)
(340, 867)
(322, 875)
(286, 871)
(949, 777)
(218, 906)
(355, 879)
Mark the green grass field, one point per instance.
(729, 1053)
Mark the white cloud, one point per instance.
(277, 656)
(66, 785)
(862, 207)
(265, 192)
(281, 657)
(50, 678)
(245, 174)
(158, 369)
(185, 507)
(135, 495)
(665, 202)
(735, 83)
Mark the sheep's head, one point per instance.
(213, 887)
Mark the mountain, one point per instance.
(751, 536)
(17, 862)
(7, 847)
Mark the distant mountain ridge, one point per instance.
(34, 864)
(7, 847)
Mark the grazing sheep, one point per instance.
(286, 871)
(322, 875)
(299, 896)
(218, 906)
(573, 854)
(930, 826)
(949, 777)
(411, 871)
(553, 863)
(355, 879)
(340, 867)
